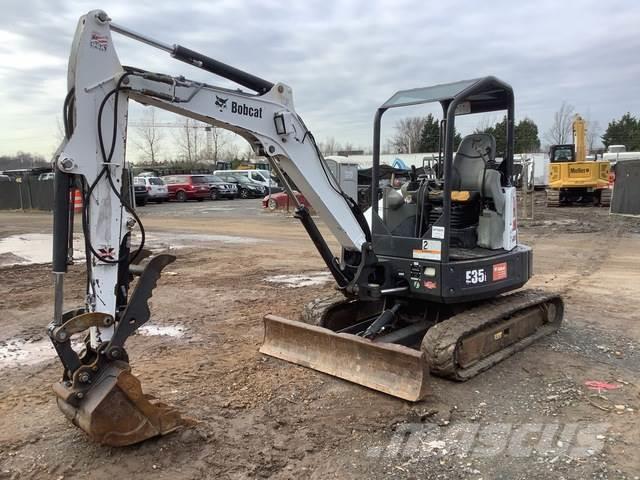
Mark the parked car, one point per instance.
(218, 188)
(263, 177)
(246, 188)
(142, 196)
(280, 201)
(187, 187)
(157, 190)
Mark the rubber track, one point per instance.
(553, 198)
(441, 341)
(605, 197)
(314, 311)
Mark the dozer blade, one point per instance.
(393, 369)
(115, 412)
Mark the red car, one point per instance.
(281, 201)
(187, 187)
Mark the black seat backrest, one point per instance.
(474, 168)
(474, 152)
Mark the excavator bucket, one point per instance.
(393, 369)
(115, 412)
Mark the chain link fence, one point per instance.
(26, 193)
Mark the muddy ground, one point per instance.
(530, 417)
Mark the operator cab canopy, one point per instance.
(478, 95)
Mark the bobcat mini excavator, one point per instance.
(420, 275)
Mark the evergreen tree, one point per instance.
(499, 132)
(457, 139)
(625, 131)
(526, 133)
(430, 134)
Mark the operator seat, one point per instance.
(473, 168)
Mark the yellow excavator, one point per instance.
(572, 178)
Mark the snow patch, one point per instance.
(30, 248)
(185, 240)
(302, 280)
(34, 248)
(17, 352)
(176, 331)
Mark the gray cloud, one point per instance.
(342, 59)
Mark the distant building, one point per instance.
(349, 153)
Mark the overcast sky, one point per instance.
(342, 59)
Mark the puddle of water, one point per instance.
(32, 248)
(303, 280)
(17, 352)
(176, 331)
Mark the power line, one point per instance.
(169, 125)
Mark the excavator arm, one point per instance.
(97, 391)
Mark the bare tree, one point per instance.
(247, 153)
(217, 143)
(231, 151)
(60, 134)
(406, 138)
(593, 133)
(328, 146)
(486, 123)
(59, 137)
(149, 137)
(561, 132)
(190, 140)
(348, 147)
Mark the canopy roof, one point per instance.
(479, 95)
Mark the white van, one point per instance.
(262, 177)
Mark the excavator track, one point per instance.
(605, 197)
(315, 310)
(553, 197)
(337, 311)
(473, 341)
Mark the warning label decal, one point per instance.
(431, 250)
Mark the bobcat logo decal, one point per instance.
(221, 102)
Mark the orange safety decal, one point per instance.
(499, 271)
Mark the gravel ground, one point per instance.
(530, 417)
